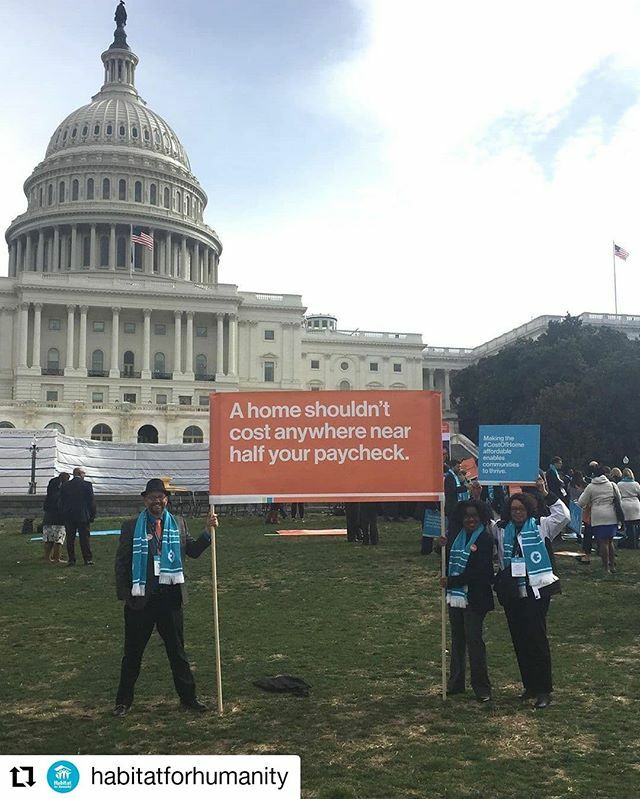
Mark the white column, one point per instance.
(196, 275)
(19, 254)
(37, 327)
(71, 310)
(74, 247)
(28, 255)
(183, 259)
(146, 344)
(447, 390)
(92, 248)
(233, 344)
(188, 357)
(220, 345)
(40, 253)
(168, 255)
(114, 370)
(55, 260)
(177, 343)
(82, 344)
(23, 326)
(112, 247)
(12, 258)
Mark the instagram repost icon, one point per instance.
(63, 776)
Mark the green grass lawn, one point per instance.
(361, 625)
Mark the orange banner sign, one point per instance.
(325, 447)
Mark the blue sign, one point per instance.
(431, 524)
(576, 517)
(63, 776)
(508, 453)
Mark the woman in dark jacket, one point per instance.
(469, 594)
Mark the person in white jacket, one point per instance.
(600, 495)
(630, 498)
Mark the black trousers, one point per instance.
(587, 539)
(297, 507)
(352, 517)
(82, 529)
(369, 523)
(164, 611)
(527, 620)
(466, 636)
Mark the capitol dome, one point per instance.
(117, 121)
(115, 191)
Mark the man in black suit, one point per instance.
(78, 508)
(158, 604)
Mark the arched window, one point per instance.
(188, 199)
(75, 190)
(40, 200)
(134, 132)
(7, 426)
(137, 196)
(106, 189)
(153, 194)
(64, 135)
(147, 434)
(345, 385)
(178, 202)
(122, 130)
(159, 363)
(55, 426)
(167, 199)
(101, 432)
(122, 189)
(109, 129)
(50, 194)
(61, 192)
(121, 256)
(74, 133)
(192, 435)
(201, 364)
(90, 188)
(146, 134)
(86, 251)
(53, 358)
(97, 361)
(96, 130)
(104, 250)
(128, 362)
(85, 130)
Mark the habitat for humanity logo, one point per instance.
(63, 776)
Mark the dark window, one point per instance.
(184, 400)
(161, 399)
(129, 398)
(61, 192)
(134, 132)
(138, 192)
(51, 396)
(53, 358)
(104, 250)
(345, 385)
(178, 202)
(315, 364)
(201, 331)
(159, 362)
(121, 255)
(54, 324)
(192, 435)
(153, 194)
(86, 251)
(97, 360)
(122, 189)
(122, 130)
(98, 326)
(269, 371)
(160, 330)
(109, 129)
(90, 188)
(41, 194)
(167, 198)
(106, 189)
(201, 364)
(373, 367)
(344, 366)
(203, 400)
(101, 432)
(85, 130)
(74, 133)
(96, 130)
(50, 194)
(146, 134)
(75, 190)
(97, 396)
(397, 367)
(129, 327)
(269, 335)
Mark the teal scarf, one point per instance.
(458, 558)
(170, 556)
(537, 562)
(464, 495)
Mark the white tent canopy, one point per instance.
(112, 468)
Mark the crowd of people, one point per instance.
(69, 509)
(501, 542)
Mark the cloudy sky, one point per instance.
(453, 169)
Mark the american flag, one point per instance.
(138, 236)
(620, 252)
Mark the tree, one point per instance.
(580, 383)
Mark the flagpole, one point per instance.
(615, 288)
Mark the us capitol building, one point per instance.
(112, 340)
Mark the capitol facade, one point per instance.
(105, 337)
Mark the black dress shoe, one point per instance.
(120, 710)
(542, 701)
(195, 705)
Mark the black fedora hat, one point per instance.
(155, 484)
